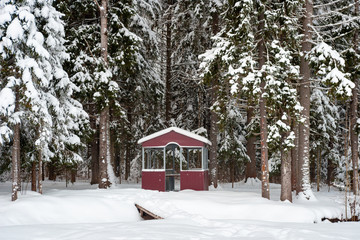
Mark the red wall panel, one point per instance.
(195, 180)
(153, 180)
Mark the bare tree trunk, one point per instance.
(94, 145)
(330, 170)
(127, 162)
(265, 191)
(354, 137)
(168, 65)
(312, 170)
(19, 162)
(213, 139)
(304, 128)
(95, 154)
(286, 176)
(73, 175)
(103, 163)
(104, 115)
(232, 173)
(40, 190)
(214, 130)
(33, 176)
(346, 148)
(121, 161)
(294, 159)
(117, 161)
(250, 171)
(15, 158)
(128, 154)
(112, 137)
(318, 172)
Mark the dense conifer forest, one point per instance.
(272, 84)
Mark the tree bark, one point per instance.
(103, 142)
(52, 174)
(213, 139)
(73, 175)
(40, 173)
(294, 159)
(95, 154)
(286, 176)
(105, 112)
(232, 173)
(128, 154)
(304, 128)
(250, 171)
(265, 191)
(127, 162)
(318, 172)
(214, 130)
(354, 137)
(33, 176)
(168, 66)
(330, 171)
(19, 162)
(15, 158)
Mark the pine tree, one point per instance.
(338, 25)
(32, 48)
(324, 120)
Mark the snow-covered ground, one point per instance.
(83, 212)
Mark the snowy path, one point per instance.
(110, 214)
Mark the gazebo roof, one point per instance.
(173, 135)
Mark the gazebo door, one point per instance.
(172, 171)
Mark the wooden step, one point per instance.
(146, 214)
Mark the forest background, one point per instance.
(272, 84)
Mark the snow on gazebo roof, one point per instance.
(177, 130)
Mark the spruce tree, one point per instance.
(32, 53)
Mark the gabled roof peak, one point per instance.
(177, 130)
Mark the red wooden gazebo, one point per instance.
(171, 154)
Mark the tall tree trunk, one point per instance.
(15, 154)
(265, 191)
(73, 175)
(33, 176)
(294, 159)
(330, 171)
(304, 128)
(127, 161)
(168, 65)
(103, 142)
(354, 137)
(232, 173)
(318, 172)
(128, 154)
(214, 129)
(52, 174)
(118, 161)
(15, 158)
(40, 173)
(285, 176)
(94, 153)
(112, 139)
(104, 115)
(19, 162)
(213, 139)
(93, 146)
(250, 171)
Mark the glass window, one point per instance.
(192, 158)
(153, 158)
